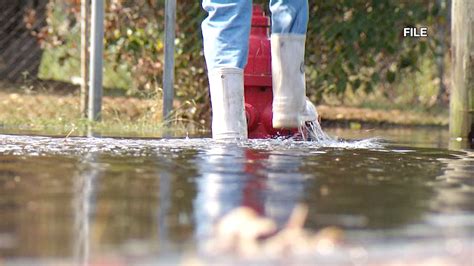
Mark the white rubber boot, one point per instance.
(289, 86)
(227, 99)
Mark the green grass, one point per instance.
(80, 126)
(47, 112)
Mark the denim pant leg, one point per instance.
(226, 32)
(289, 16)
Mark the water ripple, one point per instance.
(36, 145)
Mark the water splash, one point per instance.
(315, 132)
(39, 145)
(312, 132)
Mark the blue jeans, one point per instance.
(226, 29)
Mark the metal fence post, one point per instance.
(85, 8)
(168, 74)
(96, 60)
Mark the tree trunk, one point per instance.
(462, 93)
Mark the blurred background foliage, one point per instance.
(360, 44)
(355, 51)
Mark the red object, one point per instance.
(258, 81)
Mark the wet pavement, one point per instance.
(401, 197)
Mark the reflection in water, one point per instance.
(141, 198)
(219, 186)
(453, 204)
(232, 176)
(371, 189)
(85, 189)
(284, 187)
(164, 195)
(455, 186)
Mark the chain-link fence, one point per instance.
(40, 46)
(20, 52)
(349, 46)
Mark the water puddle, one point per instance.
(80, 200)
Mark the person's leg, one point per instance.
(225, 33)
(289, 25)
(289, 16)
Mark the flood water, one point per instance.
(401, 198)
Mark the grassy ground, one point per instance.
(58, 112)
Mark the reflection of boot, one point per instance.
(289, 88)
(227, 99)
